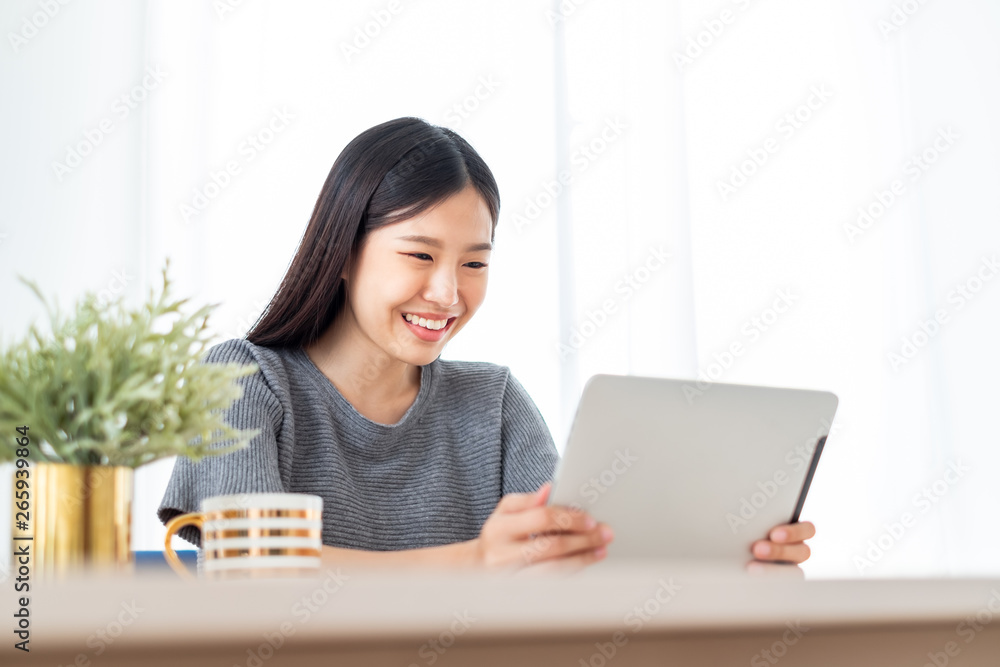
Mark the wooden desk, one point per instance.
(643, 613)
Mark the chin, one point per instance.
(418, 357)
(425, 358)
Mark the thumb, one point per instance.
(541, 496)
(518, 502)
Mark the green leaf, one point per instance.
(105, 388)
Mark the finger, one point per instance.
(790, 553)
(518, 502)
(559, 546)
(792, 532)
(539, 520)
(567, 565)
(542, 494)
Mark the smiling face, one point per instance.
(417, 282)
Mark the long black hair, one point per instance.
(388, 173)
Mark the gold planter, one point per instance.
(80, 518)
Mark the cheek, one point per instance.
(474, 292)
(382, 292)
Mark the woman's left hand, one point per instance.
(785, 543)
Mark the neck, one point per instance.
(361, 370)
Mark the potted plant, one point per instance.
(107, 390)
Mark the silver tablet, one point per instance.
(686, 469)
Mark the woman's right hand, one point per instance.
(523, 531)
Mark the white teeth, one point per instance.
(433, 325)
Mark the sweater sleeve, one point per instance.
(529, 454)
(252, 469)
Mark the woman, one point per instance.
(417, 459)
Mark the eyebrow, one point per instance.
(427, 240)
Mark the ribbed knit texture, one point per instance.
(471, 436)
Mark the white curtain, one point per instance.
(676, 178)
(901, 82)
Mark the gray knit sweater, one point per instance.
(472, 435)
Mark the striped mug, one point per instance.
(252, 535)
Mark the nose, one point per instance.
(442, 288)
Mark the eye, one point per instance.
(481, 265)
(419, 255)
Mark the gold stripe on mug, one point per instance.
(266, 522)
(261, 532)
(260, 551)
(254, 513)
(261, 573)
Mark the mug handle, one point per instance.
(173, 525)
